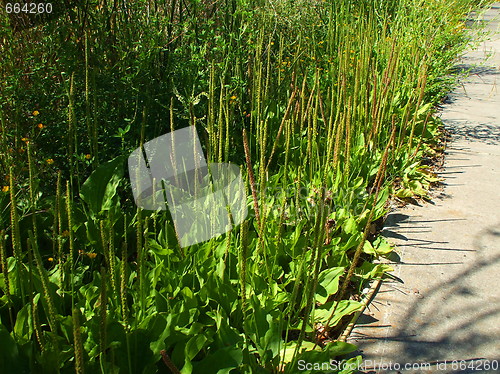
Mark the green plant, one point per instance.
(327, 105)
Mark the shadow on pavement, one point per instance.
(456, 319)
(486, 133)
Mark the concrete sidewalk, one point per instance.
(448, 307)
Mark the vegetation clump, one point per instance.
(327, 106)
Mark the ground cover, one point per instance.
(327, 106)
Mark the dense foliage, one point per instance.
(326, 105)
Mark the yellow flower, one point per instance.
(40, 126)
(5, 189)
(272, 43)
(50, 161)
(233, 97)
(26, 140)
(88, 156)
(35, 113)
(50, 259)
(65, 233)
(92, 255)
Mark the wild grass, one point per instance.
(326, 106)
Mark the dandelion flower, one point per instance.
(35, 113)
(51, 259)
(92, 255)
(50, 161)
(5, 189)
(26, 140)
(233, 97)
(40, 126)
(88, 156)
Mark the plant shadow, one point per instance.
(456, 319)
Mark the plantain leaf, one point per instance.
(344, 308)
(24, 325)
(220, 362)
(99, 190)
(369, 270)
(328, 283)
(379, 247)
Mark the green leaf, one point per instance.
(382, 246)
(192, 348)
(99, 190)
(23, 329)
(344, 308)
(158, 330)
(353, 241)
(339, 348)
(227, 335)
(9, 354)
(368, 248)
(220, 362)
(320, 361)
(382, 199)
(379, 247)
(350, 225)
(417, 188)
(404, 193)
(158, 249)
(289, 349)
(369, 270)
(328, 283)
(423, 109)
(351, 365)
